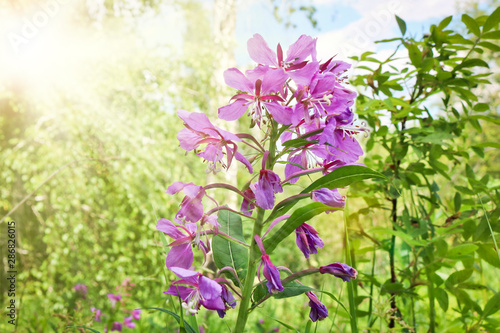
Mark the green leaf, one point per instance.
(487, 253)
(85, 327)
(472, 63)
(495, 121)
(488, 144)
(298, 217)
(481, 107)
(490, 46)
(176, 317)
(442, 298)
(404, 236)
(227, 253)
(492, 35)
(458, 277)
(456, 252)
(492, 306)
(401, 24)
(343, 176)
(457, 201)
(415, 54)
(471, 24)
(492, 20)
(336, 300)
(291, 289)
(287, 326)
(445, 22)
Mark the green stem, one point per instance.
(350, 287)
(430, 292)
(252, 270)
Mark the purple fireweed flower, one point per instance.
(228, 299)
(297, 53)
(81, 289)
(98, 313)
(127, 321)
(113, 299)
(340, 270)
(308, 240)
(199, 130)
(318, 309)
(117, 326)
(322, 97)
(257, 96)
(136, 314)
(247, 206)
(269, 183)
(191, 206)
(201, 291)
(181, 253)
(271, 273)
(329, 197)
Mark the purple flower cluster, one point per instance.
(117, 301)
(288, 96)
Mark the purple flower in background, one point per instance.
(136, 314)
(81, 289)
(117, 326)
(127, 321)
(199, 130)
(258, 95)
(201, 291)
(340, 270)
(269, 183)
(329, 197)
(308, 240)
(191, 206)
(181, 253)
(318, 309)
(113, 299)
(98, 313)
(271, 273)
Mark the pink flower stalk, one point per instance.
(340, 270)
(200, 291)
(308, 240)
(318, 309)
(199, 130)
(271, 273)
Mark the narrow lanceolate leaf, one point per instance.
(471, 24)
(291, 289)
(228, 253)
(344, 176)
(187, 327)
(298, 217)
(492, 21)
(492, 306)
(401, 24)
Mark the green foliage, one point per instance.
(439, 242)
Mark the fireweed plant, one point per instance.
(303, 110)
